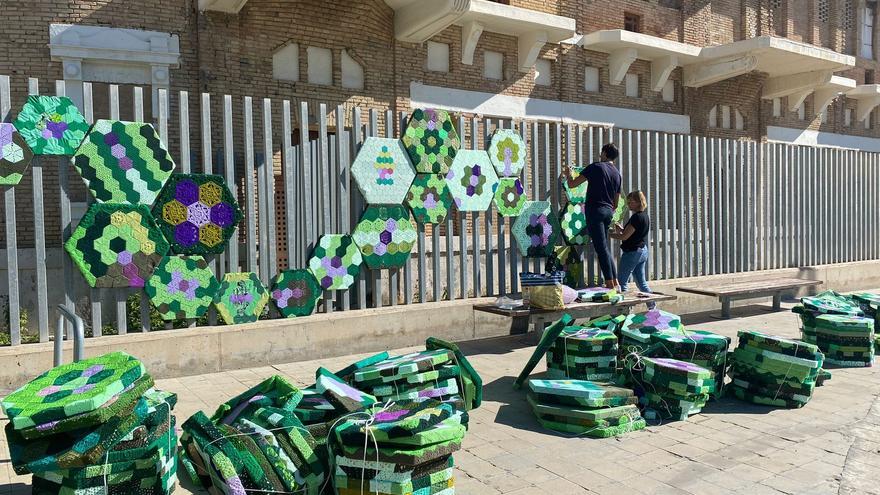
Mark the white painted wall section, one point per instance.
(815, 138)
(320, 62)
(285, 63)
(352, 72)
(518, 107)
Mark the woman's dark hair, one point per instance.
(610, 151)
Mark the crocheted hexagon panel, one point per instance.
(574, 224)
(508, 152)
(51, 125)
(536, 229)
(72, 389)
(431, 140)
(15, 155)
(197, 213)
(382, 171)
(576, 194)
(620, 210)
(295, 293)
(472, 180)
(182, 287)
(241, 298)
(336, 261)
(117, 246)
(385, 236)
(429, 198)
(123, 162)
(510, 197)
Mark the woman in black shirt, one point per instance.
(634, 237)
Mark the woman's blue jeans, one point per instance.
(634, 263)
(598, 221)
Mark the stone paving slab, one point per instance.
(830, 446)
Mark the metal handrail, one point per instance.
(79, 330)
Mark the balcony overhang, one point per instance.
(867, 97)
(824, 95)
(225, 6)
(777, 57)
(624, 47)
(414, 23)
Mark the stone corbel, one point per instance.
(661, 69)
(796, 99)
(794, 85)
(699, 75)
(823, 97)
(865, 106)
(470, 35)
(529, 47)
(619, 62)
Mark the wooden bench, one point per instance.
(750, 289)
(538, 318)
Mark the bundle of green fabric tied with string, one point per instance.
(704, 349)
(95, 426)
(774, 371)
(840, 327)
(671, 388)
(584, 408)
(583, 353)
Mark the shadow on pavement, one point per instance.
(496, 345)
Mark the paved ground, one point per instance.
(830, 446)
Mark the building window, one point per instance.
(668, 92)
(591, 79)
(285, 63)
(867, 120)
(847, 117)
(823, 10)
(352, 72)
(320, 62)
(632, 22)
(777, 107)
(725, 117)
(739, 120)
(713, 117)
(438, 57)
(542, 72)
(632, 85)
(493, 65)
(867, 50)
(802, 111)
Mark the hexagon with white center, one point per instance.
(385, 236)
(510, 197)
(574, 224)
(382, 171)
(536, 230)
(472, 180)
(507, 152)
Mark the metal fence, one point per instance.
(717, 205)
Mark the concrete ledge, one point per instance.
(192, 351)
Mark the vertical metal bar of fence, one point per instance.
(164, 115)
(490, 262)
(724, 212)
(462, 228)
(715, 177)
(249, 190)
(536, 141)
(355, 210)
(322, 167)
(744, 174)
(392, 272)
(450, 252)
(262, 215)
(663, 185)
(680, 205)
(290, 226)
(730, 217)
(344, 159)
(689, 231)
(653, 183)
(475, 222)
(95, 294)
(121, 310)
(268, 192)
(229, 170)
(501, 241)
(11, 231)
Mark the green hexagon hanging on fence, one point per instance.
(472, 180)
(429, 198)
(431, 140)
(15, 155)
(336, 261)
(507, 152)
(577, 194)
(382, 171)
(182, 287)
(241, 298)
(123, 162)
(51, 125)
(574, 224)
(295, 293)
(510, 197)
(385, 236)
(117, 246)
(536, 230)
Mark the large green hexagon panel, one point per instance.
(336, 261)
(123, 162)
(182, 287)
(241, 298)
(574, 224)
(117, 246)
(536, 230)
(15, 155)
(429, 198)
(472, 180)
(295, 293)
(197, 213)
(431, 140)
(51, 125)
(577, 194)
(385, 236)
(382, 171)
(508, 152)
(510, 197)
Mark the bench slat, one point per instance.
(750, 287)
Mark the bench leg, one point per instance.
(777, 301)
(725, 308)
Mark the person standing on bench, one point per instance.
(603, 193)
(634, 245)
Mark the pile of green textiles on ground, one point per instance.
(870, 305)
(583, 353)
(440, 372)
(397, 448)
(837, 325)
(584, 408)
(94, 426)
(705, 349)
(672, 389)
(254, 443)
(637, 328)
(774, 371)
